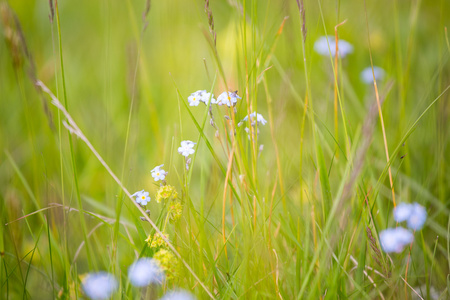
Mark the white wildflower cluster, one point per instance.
(142, 197)
(367, 76)
(226, 98)
(200, 96)
(164, 264)
(327, 44)
(255, 119)
(141, 273)
(395, 239)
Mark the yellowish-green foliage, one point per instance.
(282, 195)
(166, 192)
(169, 263)
(175, 211)
(157, 241)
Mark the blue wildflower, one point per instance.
(321, 46)
(417, 217)
(402, 212)
(367, 76)
(395, 239)
(178, 295)
(99, 285)
(144, 272)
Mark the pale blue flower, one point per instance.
(367, 76)
(194, 98)
(402, 212)
(142, 197)
(187, 148)
(324, 45)
(395, 239)
(178, 295)
(144, 272)
(99, 285)
(138, 193)
(417, 217)
(205, 97)
(414, 214)
(200, 96)
(158, 173)
(259, 118)
(227, 98)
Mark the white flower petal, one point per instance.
(228, 98)
(395, 239)
(418, 217)
(326, 45)
(178, 295)
(144, 272)
(99, 285)
(402, 212)
(367, 76)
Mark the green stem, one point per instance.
(75, 176)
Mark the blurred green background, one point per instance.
(115, 59)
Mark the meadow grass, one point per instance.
(94, 95)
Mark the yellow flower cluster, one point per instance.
(166, 192)
(157, 240)
(175, 210)
(168, 263)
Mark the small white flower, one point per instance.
(99, 285)
(187, 143)
(259, 118)
(144, 272)
(142, 197)
(417, 218)
(187, 148)
(178, 295)
(402, 212)
(321, 46)
(137, 193)
(206, 97)
(367, 76)
(395, 239)
(195, 98)
(227, 98)
(158, 173)
(200, 96)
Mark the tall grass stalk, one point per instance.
(290, 205)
